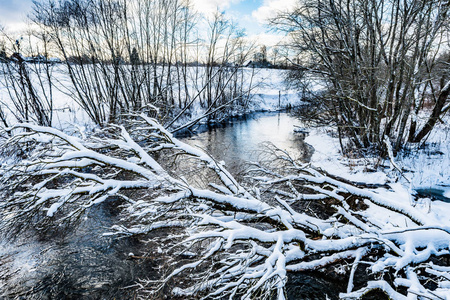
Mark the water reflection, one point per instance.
(242, 139)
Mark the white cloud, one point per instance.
(267, 39)
(13, 14)
(270, 8)
(211, 6)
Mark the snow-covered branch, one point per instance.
(242, 241)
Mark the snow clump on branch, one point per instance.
(242, 241)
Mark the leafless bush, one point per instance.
(28, 85)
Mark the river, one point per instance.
(242, 139)
(82, 264)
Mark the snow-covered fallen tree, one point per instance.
(242, 242)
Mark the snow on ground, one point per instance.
(268, 93)
(273, 94)
(328, 156)
(67, 112)
(426, 168)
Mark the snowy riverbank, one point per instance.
(424, 167)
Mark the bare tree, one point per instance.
(123, 56)
(376, 58)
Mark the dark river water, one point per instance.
(81, 264)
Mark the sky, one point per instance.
(249, 14)
(14, 12)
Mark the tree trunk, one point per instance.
(436, 113)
